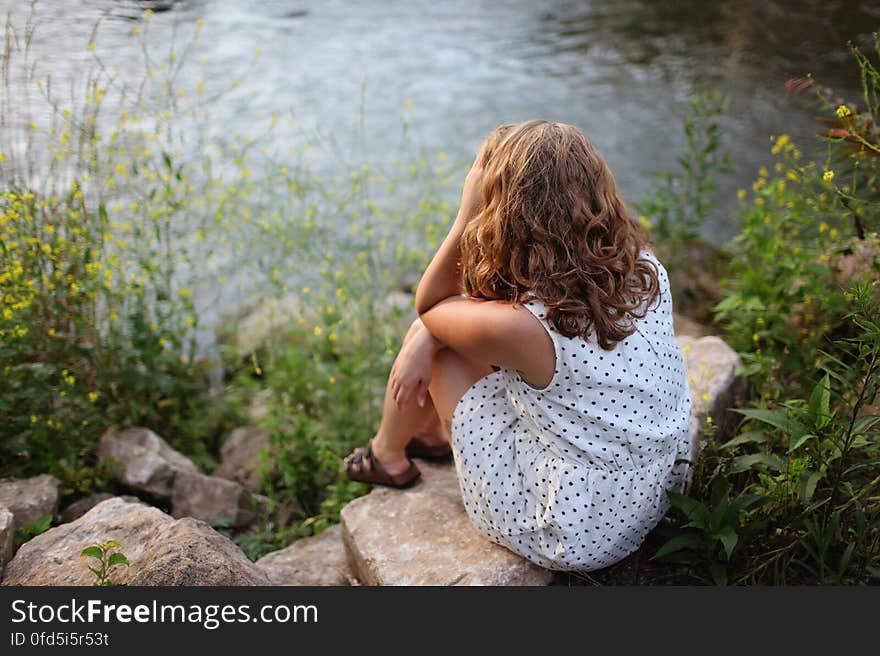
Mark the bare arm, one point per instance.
(494, 332)
(442, 277)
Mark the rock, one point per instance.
(713, 374)
(213, 500)
(143, 461)
(423, 536)
(7, 536)
(241, 457)
(29, 499)
(161, 550)
(189, 552)
(261, 405)
(81, 506)
(683, 326)
(318, 560)
(253, 326)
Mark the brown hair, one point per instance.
(553, 226)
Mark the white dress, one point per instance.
(574, 476)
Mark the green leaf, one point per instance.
(778, 418)
(728, 538)
(747, 437)
(809, 481)
(800, 441)
(679, 542)
(117, 559)
(692, 508)
(93, 552)
(866, 423)
(112, 544)
(719, 573)
(819, 403)
(768, 460)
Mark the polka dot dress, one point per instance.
(573, 476)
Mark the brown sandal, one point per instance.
(418, 448)
(376, 474)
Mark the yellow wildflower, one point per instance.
(828, 176)
(843, 111)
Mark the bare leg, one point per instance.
(398, 427)
(453, 375)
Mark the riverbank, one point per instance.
(111, 272)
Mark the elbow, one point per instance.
(423, 302)
(421, 306)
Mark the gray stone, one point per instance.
(213, 500)
(241, 457)
(7, 536)
(161, 550)
(143, 461)
(189, 552)
(713, 370)
(318, 560)
(423, 536)
(684, 326)
(81, 506)
(29, 499)
(254, 326)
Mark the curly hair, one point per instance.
(553, 227)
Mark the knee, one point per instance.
(445, 358)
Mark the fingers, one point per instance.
(421, 393)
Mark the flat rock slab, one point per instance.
(161, 550)
(318, 560)
(29, 499)
(423, 536)
(143, 461)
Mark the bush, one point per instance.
(792, 497)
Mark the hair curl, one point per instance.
(553, 226)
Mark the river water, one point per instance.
(453, 69)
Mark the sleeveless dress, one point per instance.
(574, 476)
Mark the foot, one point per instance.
(366, 466)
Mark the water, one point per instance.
(619, 69)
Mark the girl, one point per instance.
(556, 373)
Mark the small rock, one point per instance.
(318, 560)
(143, 461)
(261, 405)
(423, 536)
(253, 326)
(213, 500)
(29, 499)
(241, 457)
(683, 326)
(81, 506)
(7, 536)
(716, 385)
(161, 550)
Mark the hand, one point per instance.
(411, 372)
(472, 194)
